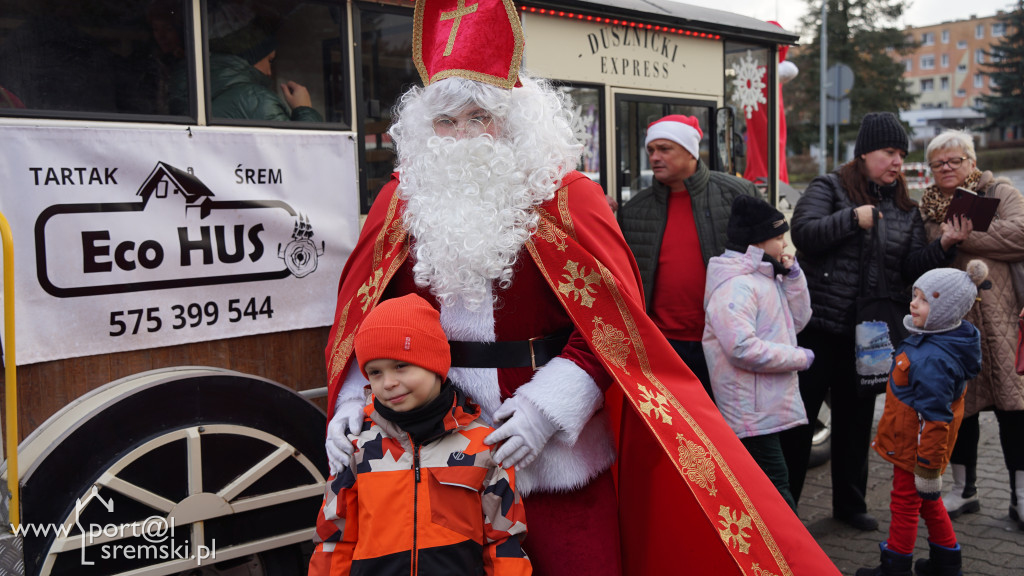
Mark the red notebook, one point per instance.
(980, 209)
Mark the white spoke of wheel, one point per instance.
(289, 495)
(261, 469)
(195, 462)
(136, 493)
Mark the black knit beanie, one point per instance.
(880, 130)
(751, 221)
(251, 42)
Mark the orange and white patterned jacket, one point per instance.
(441, 507)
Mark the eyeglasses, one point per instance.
(471, 127)
(953, 163)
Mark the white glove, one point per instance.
(525, 431)
(348, 417)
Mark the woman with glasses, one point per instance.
(953, 161)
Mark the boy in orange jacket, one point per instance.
(421, 492)
(924, 405)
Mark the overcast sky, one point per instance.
(921, 12)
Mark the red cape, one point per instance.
(690, 496)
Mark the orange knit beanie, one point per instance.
(407, 329)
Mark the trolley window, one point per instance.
(68, 58)
(385, 46)
(266, 63)
(589, 101)
(745, 92)
(276, 62)
(632, 116)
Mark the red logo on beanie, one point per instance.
(408, 343)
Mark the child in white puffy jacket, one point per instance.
(755, 302)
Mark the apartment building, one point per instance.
(947, 75)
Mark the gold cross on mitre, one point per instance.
(457, 14)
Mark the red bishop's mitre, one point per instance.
(475, 39)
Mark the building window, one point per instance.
(979, 31)
(961, 68)
(928, 62)
(945, 36)
(928, 38)
(998, 28)
(909, 64)
(927, 85)
(979, 103)
(961, 44)
(961, 93)
(979, 80)
(979, 56)
(944, 83)
(945, 60)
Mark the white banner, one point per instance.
(128, 239)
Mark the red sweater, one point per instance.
(678, 301)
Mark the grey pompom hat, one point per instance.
(950, 294)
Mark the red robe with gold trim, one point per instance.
(682, 503)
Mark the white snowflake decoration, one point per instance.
(749, 84)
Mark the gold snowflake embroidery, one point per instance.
(611, 343)
(733, 524)
(368, 292)
(697, 465)
(651, 402)
(579, 285)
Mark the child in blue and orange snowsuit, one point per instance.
(924, 405)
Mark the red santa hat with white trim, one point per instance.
(683, 130)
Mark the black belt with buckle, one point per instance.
(534, 352)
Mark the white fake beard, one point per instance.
(469, 212)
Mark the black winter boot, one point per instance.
(1017, 497)
(893, 564)
(941, 561)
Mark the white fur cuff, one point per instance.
(566, 394)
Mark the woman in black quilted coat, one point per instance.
(831, 226)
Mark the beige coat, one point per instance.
(998, 384)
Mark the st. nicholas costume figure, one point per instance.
(487, 218)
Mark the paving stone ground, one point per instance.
(992, 544)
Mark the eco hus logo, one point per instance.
(151, 539)
(176, 236)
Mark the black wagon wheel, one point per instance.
(197, 471)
